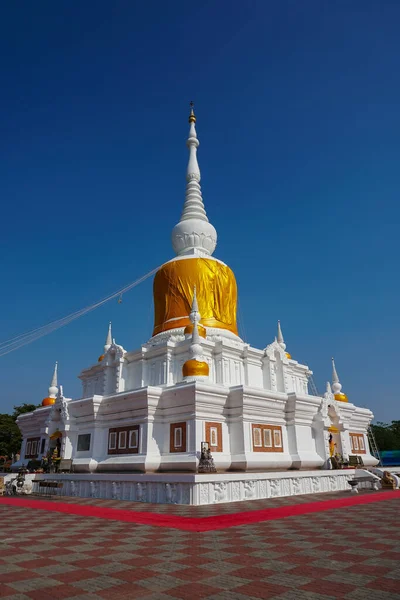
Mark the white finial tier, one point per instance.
(336, 385)
(196, 368)
(53, 389)
(194, 313)
(109, 339)
(195, 350)
(193, 235)
(279, 338)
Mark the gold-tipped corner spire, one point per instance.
(192, 116)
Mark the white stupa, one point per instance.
(143, 414)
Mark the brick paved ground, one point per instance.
(351, 553)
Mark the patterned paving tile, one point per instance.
(55, 569)
(13, 576)
(7, 568)
(363, 594)
(261, 589)
(162, 583)
(95, 584)
(303, 595)
(297, 558)
(230, 595)
(288, 580)
(35, 583)
(196, 591)
(394, 574)
(129, 590)
(227, 582)
(14, 596)
(58, 592)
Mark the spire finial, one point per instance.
(279, 338)
(193, 234)
(53, 389)
(109, 340)
(194, 313)
(281, 341)
(195, 317)
(192, 116)
(335, 378)
(336, 385)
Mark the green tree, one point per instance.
(24, 408)
(387, 436)
(10, 435)
(395, 428)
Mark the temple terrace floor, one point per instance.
(315, 547)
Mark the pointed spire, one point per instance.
(195, 319)
(193, 207)
(337, 386)
(281, 341)
(54, 378)
(193, 234)
(279, 338)
(53, 389)
(192, 116)
(194, 313)
(328, 391)
(108, 344)
(109, 340)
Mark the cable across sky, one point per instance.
(30, 336)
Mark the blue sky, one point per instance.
(298, 119)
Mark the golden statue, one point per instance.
(331, 446)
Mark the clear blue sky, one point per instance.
(299, 124)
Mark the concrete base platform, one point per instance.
(191, 489)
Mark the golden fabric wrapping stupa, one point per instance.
(194, 239)
(216, 294)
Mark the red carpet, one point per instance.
(199, 524)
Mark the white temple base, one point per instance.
(191, 489)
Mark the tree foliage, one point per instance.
(24, 408)
(387, 436)
(10, 435)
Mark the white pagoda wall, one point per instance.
(201, 489)
(231, 363)
(246, 386)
